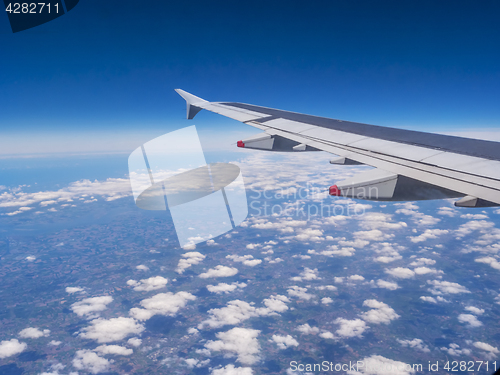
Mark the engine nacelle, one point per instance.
(268, 142)
(380, 185)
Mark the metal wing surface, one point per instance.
(410, 165)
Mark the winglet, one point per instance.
(191, 108)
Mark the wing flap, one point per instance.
(335, 136)
(288, 126)
(467, 164)
(395, 149)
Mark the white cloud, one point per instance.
(326, 300)
(55, 343)
(11, 347)
(189, 259)
(422, 262)
(134, 341)
(379, 313)
(225, 288)
(415, 344)
(474, 216)
(335, 251)
(231, 370)
(469, 319)
(142, 267)
(33, 333)
(307, 329)
(189, 246)
(276, 260)
(359, 243)
(428, 299)
(488, 236)
(89, 361)
(429, 234)
(252, 262)
(387, 259)
(284, 342)
(91, 305)
(237, 311)
(241, 342)
(471, 226)
(493, 262)
(486, 347)
(388, 252)
(378, 365)
(55, 368)
(110, 189)
(307, 274)
(46, 203)
(454, 350)
(400, 272)
(447, 287)
(219, 271)
(191, 362)
(327, 335)
(387, 285)
(441, 299)
(161, 304)
(114, 329)
(275, 303)
(30, 258)
(379, 220)
(310, 234)
(447, 211)
(326, 287)
(425, 270)
(356, 278)
(284, 226)
(73, 289)
(373, 235)
(296, 291)
(204, 352)
(475, 310)
(350, 328)
(113, 349)
(147, 285)
(419, 218)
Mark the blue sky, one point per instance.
(102, 77)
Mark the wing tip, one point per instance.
(191, 100)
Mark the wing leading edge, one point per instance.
(411, 165)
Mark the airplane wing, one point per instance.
(409, 165)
